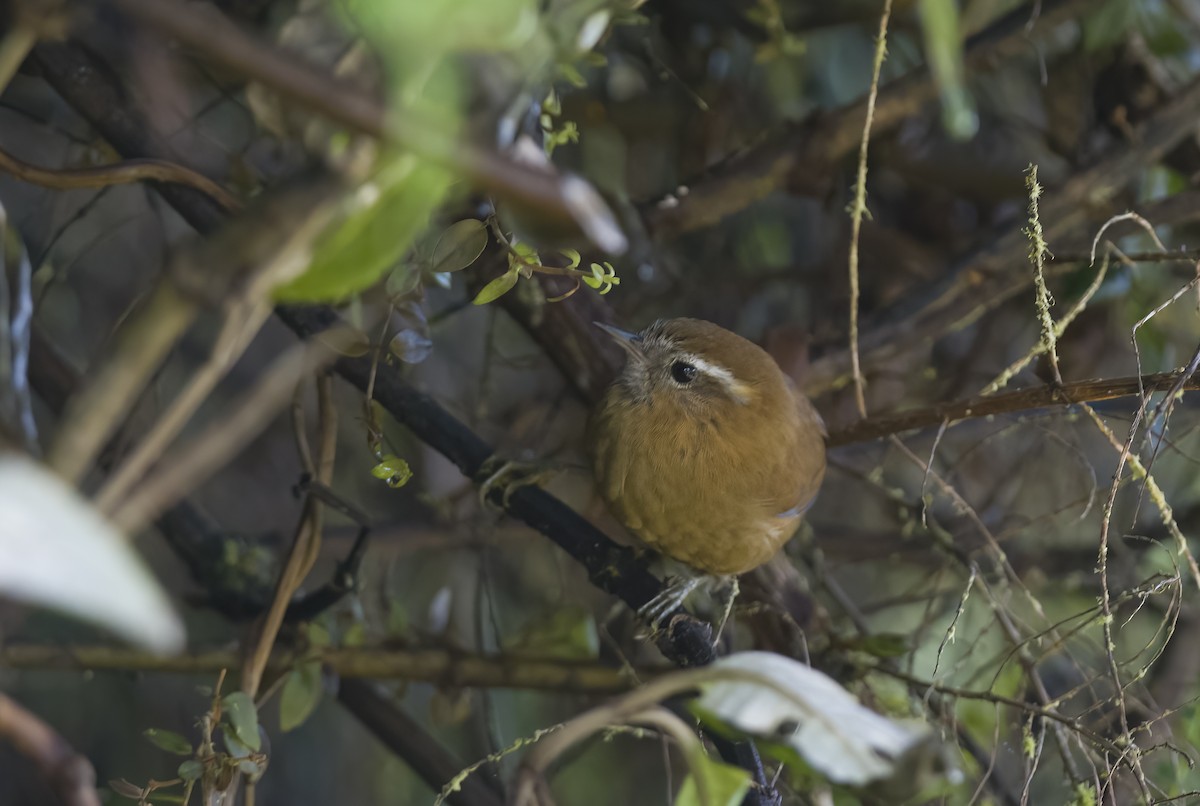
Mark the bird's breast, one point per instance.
(695, 490)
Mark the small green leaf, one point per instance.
(318, 635)
(573, 256)
(169, 741)
(301, 693)
(233, 745)
(191, 770)
(243, 718)
(604, 277)
(402, 281)
(393, 470)
(882, 645)
(711, 783)
(571, 73)
(497, 288)
(459, 246)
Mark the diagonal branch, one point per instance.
(1020, 400)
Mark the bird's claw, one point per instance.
(670, 598)
(509, 476)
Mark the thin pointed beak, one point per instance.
(630, 342)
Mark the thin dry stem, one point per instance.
(304, 549)
(224, 439)
(242, 323)
(1038, 251)
(858, 207)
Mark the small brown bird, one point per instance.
(705, 451)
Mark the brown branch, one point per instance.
(122, 173)
(441, 667)
(563, 201)
(305, 545)
(1007, 403)
(804, 156)
(69, 774)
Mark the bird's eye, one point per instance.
(683, 372)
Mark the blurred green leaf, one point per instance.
(881, 645)
(384, 215)
(191, 770)
(497, 288)
(403, 280)
(301, 693)
(1109, 24)
(243, 718)
(565, 632)
(168, 740)
(459, 246)
(944, 51)
(721, 784)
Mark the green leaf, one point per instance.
(243, 718)
(169, 741)
(944, 50)
(393, 470)
(301, 693)
(497, 288)
(573, 256)
(459, 246)
(1110, 23)
(565, 632)
(711, 783)
(190, 770)
(233, 745)
(403, 280)
(383, 216)
(882, 645)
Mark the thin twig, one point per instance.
(1008, 403)
(304, 548)
(224, 439)
(1038, 252)
(858, 208)
(69, 774)
(122, 173)
(443, 667)
(242, 323)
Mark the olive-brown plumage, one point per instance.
(703, 448)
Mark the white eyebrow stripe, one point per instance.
(718, 372)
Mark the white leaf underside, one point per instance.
(834, 733)
(58, 552)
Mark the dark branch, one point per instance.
(1007, 403)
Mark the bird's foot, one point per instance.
(509, 476)
(670, 598)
